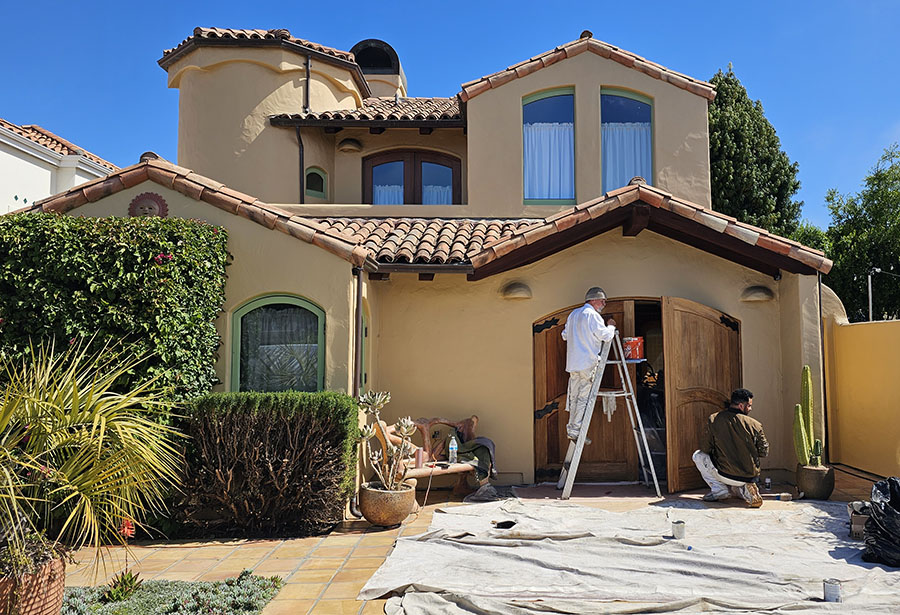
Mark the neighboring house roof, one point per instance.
(385, 111)
(701, 88)
(480, 247)
(279, 37)
(54, 142)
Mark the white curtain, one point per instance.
(387, 195)
(627, 152)
(437, 195)
(549, 165)
(279, 349)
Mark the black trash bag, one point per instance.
(883, 526)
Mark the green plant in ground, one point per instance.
(242, 595)
(268, 463)
(387, 460)
(122, 586)
(809, 449)
(78, 455)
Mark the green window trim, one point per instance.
(235, 383)
(567, 90)
(316, 193)
(627, 94)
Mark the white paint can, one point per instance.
(678, 529)
(833, 591)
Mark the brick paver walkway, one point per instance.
(324, 574)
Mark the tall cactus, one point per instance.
(809, 450)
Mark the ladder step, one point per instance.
(612, 394)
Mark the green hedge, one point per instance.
(158, 283)
(267, 463)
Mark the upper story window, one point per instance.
(411, 177)
(626, 138)
(548, 146)
(316, 183)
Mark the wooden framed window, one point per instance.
(412, 177)
(548, 147)
(278, 344)
(626, 137)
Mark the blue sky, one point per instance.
(826, 72)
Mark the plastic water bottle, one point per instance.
(451, 450)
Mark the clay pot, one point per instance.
(815, 482)
(40, 593)
(385, 508)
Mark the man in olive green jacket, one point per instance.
(729, 455)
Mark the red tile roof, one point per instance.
(54, 142)
(435, 109)
(239, 34)
(626, 58)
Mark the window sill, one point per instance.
(550, 202)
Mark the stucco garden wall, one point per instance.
(454, 348)
(680, 135)
(265, 262)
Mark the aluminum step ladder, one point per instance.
(573, 455)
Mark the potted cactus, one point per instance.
(814, 480)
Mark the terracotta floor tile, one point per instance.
(238, 559)
(167, 554)
(280, 567)
(374, 607)
(363, 562)
(311, 576)
(291, 552)
(378, 531)
(259, 552)
(307, 591)
(199, 566)
(376, 541)
(176, 576)
(336, 607)
(218, 575)
(322, 563)
(367, 551)
(152, 566)
(342, 551)
(341, 540)
(343, 591)
(360, 574)
(288, 607)
(213, 552)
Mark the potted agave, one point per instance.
(80, 458)
(388, 500)
(814, 480)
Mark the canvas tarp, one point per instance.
(563, 558)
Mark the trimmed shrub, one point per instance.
(267, 463)
(156, 283)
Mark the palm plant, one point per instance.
(77, 455)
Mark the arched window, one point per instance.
(411, 177)
(548, 147)
(316, 183)
(626, 137)
(278, 345)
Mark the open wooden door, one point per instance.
(611, 456)
(702, 348)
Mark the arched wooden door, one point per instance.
(702, 348)
(611, 456)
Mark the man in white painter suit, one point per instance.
(584, 334)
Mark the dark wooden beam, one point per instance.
(376, 130)
(637, 222)
(426, 130)
(376, 275)
(332, 130)
(426, 277)
(425, 268)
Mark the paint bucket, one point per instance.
(678, 529)
(633, 347)
(833, 591)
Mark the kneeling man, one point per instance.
(729, 456)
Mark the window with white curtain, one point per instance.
(279, 345)
(548, 146)
(626, 140)
(411, 177)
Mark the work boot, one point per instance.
(750, 493)
(575, 439)
(716, 496)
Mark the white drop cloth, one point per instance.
(565, 558)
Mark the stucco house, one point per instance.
(36, 163)
(433, 247)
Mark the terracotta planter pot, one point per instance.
(815, 482)
(385, 508)
(40, 593)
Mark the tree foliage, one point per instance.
(752, 178)
(865, 234)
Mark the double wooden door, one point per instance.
(702, 349)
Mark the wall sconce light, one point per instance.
(516, 290)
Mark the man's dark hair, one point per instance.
(740, 396)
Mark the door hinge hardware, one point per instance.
(539, 414)
(729, 322)
(547, 324)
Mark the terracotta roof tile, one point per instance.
(54, 142)
(239, 34)
(626, 58)
(387, 109)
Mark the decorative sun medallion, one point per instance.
(148, 204)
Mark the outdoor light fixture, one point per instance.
(516, 290)
(757, 293)
(871, 271)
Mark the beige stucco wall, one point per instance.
(226, 96)
(680, 135)
(454, 348)
(265, 262)
(23, 176)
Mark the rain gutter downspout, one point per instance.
(302, 174)
(358, 333)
